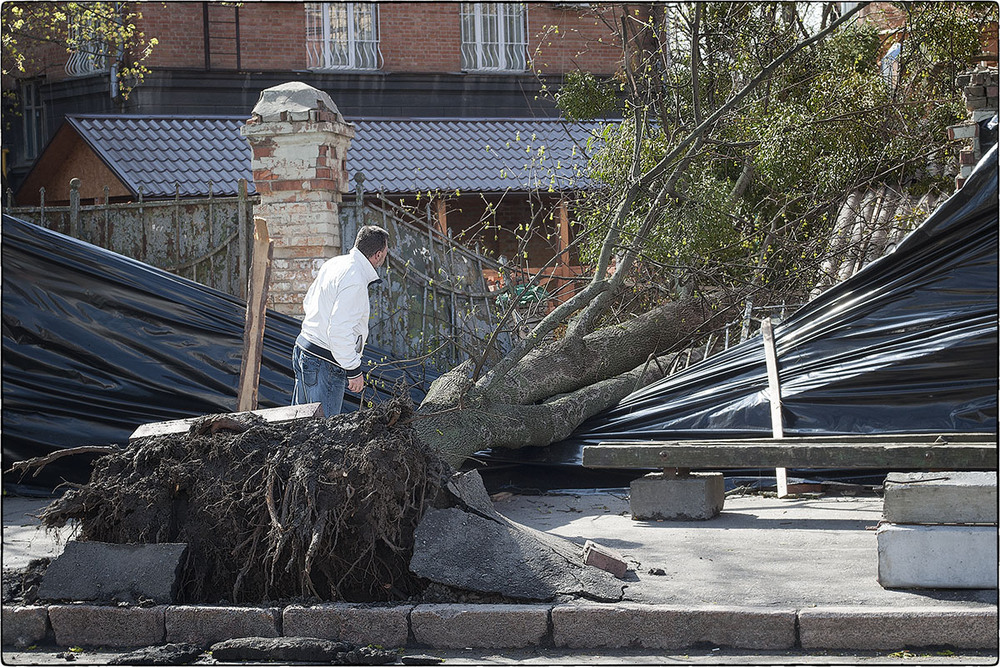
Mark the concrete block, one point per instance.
(604, 558)
(495, 626)
(112, 627)
(911, 556)
(628, 625)
(204, 626)
(697, 497)
(941, 497)
(963, 131)
(894, 628)
(24, 626)
(355, 623)
(103, 572)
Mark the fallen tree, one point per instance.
(542, 389)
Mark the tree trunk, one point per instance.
(556, 386)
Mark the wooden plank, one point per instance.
(774, 396)
(272, 415)
(794, 454)
(253, 331)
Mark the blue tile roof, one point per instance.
(164, 154)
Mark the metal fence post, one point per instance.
(74, 208)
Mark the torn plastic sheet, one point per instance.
(96, 344)
(907, 345)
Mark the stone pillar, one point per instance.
(299, 141)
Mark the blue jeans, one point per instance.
(318, 381)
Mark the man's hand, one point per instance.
(356, 384)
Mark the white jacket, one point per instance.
(337, 310)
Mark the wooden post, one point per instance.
(442, 216)
(774, 391)
(562, 267)
(253, 332)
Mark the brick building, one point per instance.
(399, 60)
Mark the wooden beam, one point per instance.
(774, 396)
(903, 453)
(272, 415)
(253, 331)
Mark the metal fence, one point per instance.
(434, 305)
(207, 239)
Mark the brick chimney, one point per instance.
(979, 87)
(299, 141)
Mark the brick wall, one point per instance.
(420, 37)
(565, 37)
(414, 36)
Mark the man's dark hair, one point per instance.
(371, 239)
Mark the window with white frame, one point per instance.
(494, 36)
(33, 120)
(342, 35)
(88, 51)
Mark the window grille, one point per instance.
(494, 36)
(33, 119)
(89, 53)
(342, 35)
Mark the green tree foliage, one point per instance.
(105, 32)
(752, 201)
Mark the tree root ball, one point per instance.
(314, 509)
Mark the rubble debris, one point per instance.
(473, 547)
(300, 649)
(107, 573)
(167, 654)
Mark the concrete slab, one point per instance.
(354, 623)
(627, 625)
(895, 628)
(479, 625)
(914, 556)
(23, 626)
(119, 627)
(760, 551)
(204, 626)
(941, 497)
(102, 572)
(699, 496)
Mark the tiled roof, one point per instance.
(168, 154)
(164, 154)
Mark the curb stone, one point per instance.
(203, 626)
(582, 626)
(663, 627)
(891, 628)
(349, 622)
(498, 626)
(117, 627)
(24, 626)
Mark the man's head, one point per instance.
(373, 243)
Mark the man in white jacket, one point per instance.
(327, 353)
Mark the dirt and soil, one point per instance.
(309, 510)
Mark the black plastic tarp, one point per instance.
(907, 345)
(96, 344)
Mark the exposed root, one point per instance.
(317, 509)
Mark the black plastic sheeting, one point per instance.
(96, 344)
(907, 345)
